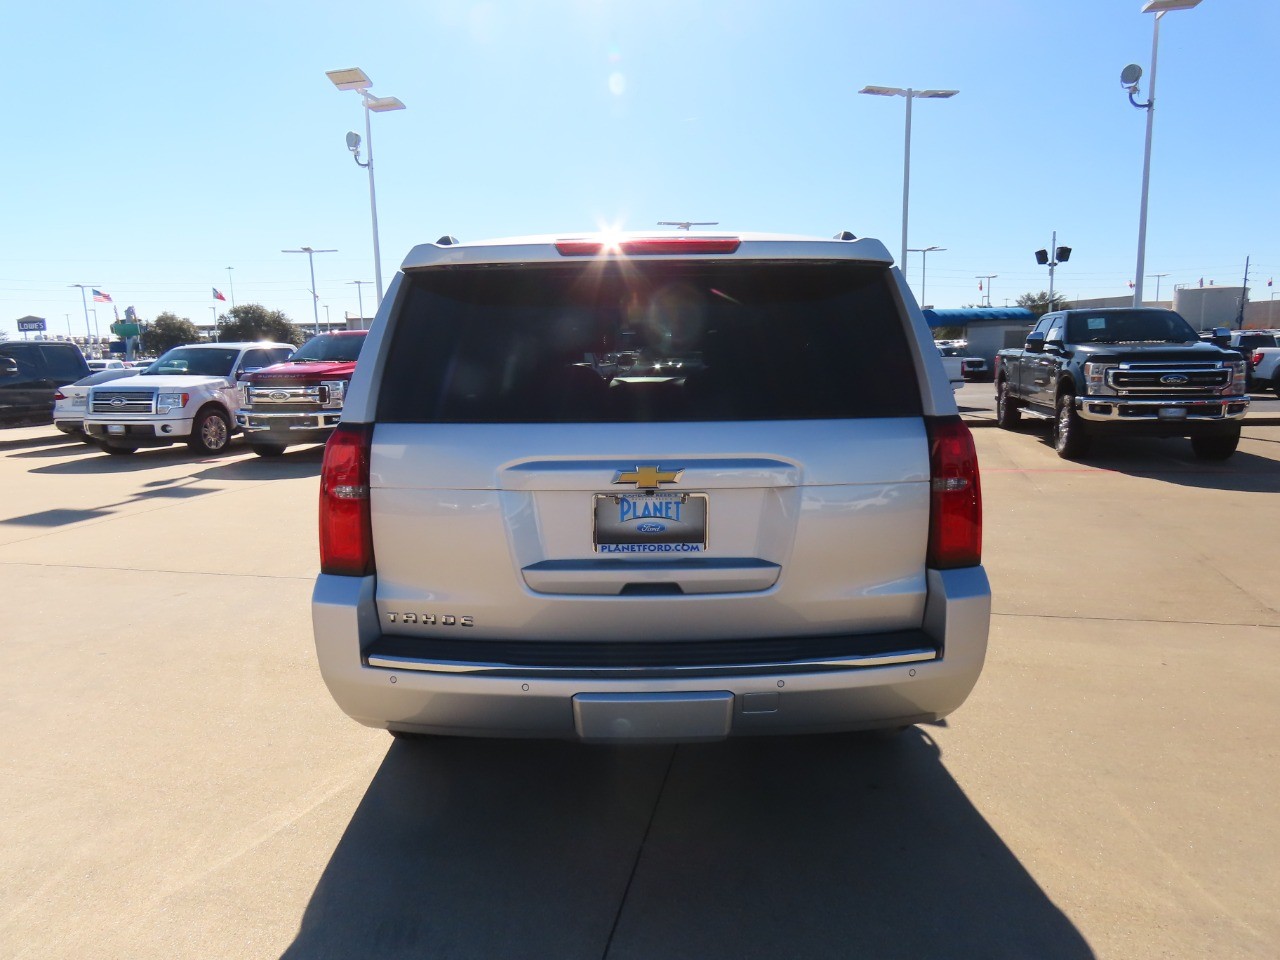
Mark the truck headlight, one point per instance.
(336, 390)
(1095, 376)
(165, 402)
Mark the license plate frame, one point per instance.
(115, 429)
(676, 522)
(1171, 413)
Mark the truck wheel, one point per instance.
(118, 449)
(211, 431)
(1007, 415)
(1215, 448)
(1069, 438)
(267, 449)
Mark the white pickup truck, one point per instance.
(189, 394)
(1266, 368)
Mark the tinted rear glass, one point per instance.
(656, 341)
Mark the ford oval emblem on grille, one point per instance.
(118, 401)
(1175, 379)
(278, 395)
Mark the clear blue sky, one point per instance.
(151, 145)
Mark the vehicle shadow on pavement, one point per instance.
(802, 847)
(1172, 461)
(305, 462)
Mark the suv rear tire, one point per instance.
(211, 431)
(1069, 438)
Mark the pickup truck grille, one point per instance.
(124, 401)
(287, 399)
(1168, 379)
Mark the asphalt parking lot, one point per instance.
(179, 783)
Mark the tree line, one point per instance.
(243, 322)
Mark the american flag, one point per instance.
(100, 297)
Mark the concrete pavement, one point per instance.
(178, 783)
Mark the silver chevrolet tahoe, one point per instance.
(650, 488)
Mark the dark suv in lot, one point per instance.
(31, 371)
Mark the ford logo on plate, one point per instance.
(1175, 379)
(650, 527)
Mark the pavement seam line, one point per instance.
(635, 864)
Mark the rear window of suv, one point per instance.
(658, 341)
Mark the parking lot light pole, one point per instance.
(1129, 77)
(315, 297)
(356, 79)
(910, 95)
(359, 284)
(924, 263)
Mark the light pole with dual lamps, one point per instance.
(1129, 78)
(315, 297)
(924, 263)
(910, 95)
(355, 79)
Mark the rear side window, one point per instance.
(64, 363)
(657, 341)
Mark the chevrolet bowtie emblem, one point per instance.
(647, 478)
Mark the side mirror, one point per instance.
(1054, 343)
(1221, 337)
(8, 367)
(1035, 343)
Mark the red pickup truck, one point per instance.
(300, 400)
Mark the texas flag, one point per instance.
(100, 297)
(979, 286)
(217, 294)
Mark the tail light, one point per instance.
(955, 499)
(59, 395)
(652, 246)
(346, 530)
(1256, 358)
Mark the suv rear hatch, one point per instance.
(649, 450)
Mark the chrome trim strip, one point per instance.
(456, 666)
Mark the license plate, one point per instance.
(115, 428)
(1172, 413)
(655, 523)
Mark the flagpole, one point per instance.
(231, 288)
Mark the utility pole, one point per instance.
(1244, 295)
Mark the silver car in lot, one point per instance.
(71, 401)
(780, 533)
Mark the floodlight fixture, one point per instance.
(383, 104)
(1164, 6)
(351, 79)
(1130, 76)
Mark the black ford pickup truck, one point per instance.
(1121, 370)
